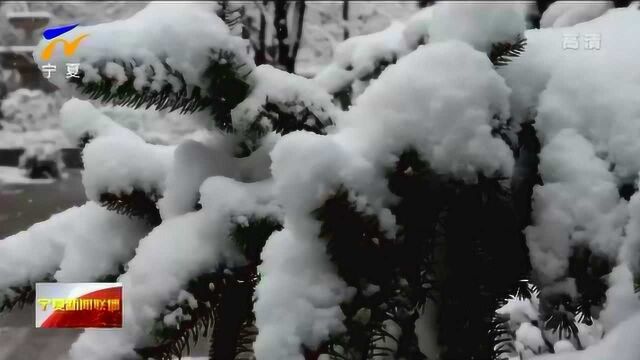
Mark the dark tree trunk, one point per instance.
(425, 3)
(282, 34)
(260, 56)
(299, 10)
(234, 309)
(345, 18)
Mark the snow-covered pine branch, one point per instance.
(191, 65)
(347, 228)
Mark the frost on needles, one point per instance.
(474, 198)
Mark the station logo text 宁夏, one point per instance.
(68, 48)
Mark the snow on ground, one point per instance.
(14, 175)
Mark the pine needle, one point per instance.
(503, 53)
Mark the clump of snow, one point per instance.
(520, 310)
(578, 204)
(568, 13)
(176, 251)
(187, 297)
(416, 29)
(530, 336)
(619, 344)
(116, 72)
(299, 295)
(78, 244)
(586, 125)
(622, 301)
(479, 24)
(358, 56)
(298, 298)
(194, 161)
(80, 118)
(29, 110)
(173, 318)
(563, 346)
(416, 103)
(288, 92)
(120, 165)
(159, 127)
(528, 74)
(30, 118)
(180, 35)
(630, 249)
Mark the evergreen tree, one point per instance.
(300, 230)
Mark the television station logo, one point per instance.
(68, 49)
(78, 305)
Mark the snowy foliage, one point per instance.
(568, 13)
(276, 152)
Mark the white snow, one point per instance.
(578, 204)
(443, 99)
(630, 249)
(179, 34)
(29, 110)
(281, 88)
(563, 346)
(172, 254)
(416, 29)
(195, 161)
(619, 344)
(173, 318)
(298, 297)
(120, 165)
(358, 56)
(14, 175)
(431, 83)
(568, 13)
(78, 244)
(479, 24)
(585, 119)
(530, 336)
(622, 301)
(80, 118)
